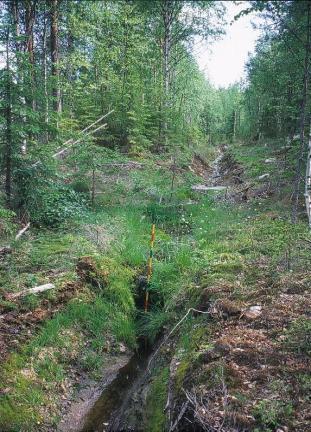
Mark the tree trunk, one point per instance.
(308, 180)
(234, 124)
(8, 117)
(166, 54)
(45, 73)
(93, 187)
(55, 55)
(29, 25)
(302, 121)
(18, 73)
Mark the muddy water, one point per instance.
(106, 414)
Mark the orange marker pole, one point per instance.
(149, 267)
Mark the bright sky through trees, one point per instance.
(224, 62)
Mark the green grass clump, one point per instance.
(271, 413)
(20, 406)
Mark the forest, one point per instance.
(155, 265)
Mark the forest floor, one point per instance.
(241, 366)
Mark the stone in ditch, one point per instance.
(253, 312)
(263, 176)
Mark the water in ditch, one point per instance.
(111, 411)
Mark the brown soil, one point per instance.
(250, 371)
(18, 326)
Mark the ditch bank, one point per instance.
(116, 403)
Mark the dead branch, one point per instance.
(22, 231)
(34, 290)
(70, 143)
(180, 415)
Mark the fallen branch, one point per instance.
(180, 415)
(71, 142)
(130, 164)
(35, 290)
(62, 151)
(172, 331)
(22, 231)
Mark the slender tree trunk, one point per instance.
(259, 122)
(166, 53)
(29, 25)
(234, 124)
(70, 50)
(308, 179)
(55, 55)
(17, 45)
(45, 72)
(8, 118)
(302, 121)
(93, 187)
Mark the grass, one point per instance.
(298, 336)
(272, 413)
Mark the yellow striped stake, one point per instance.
(149, 267)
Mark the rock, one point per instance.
(253, 312)
(263, 176)
(122, 348)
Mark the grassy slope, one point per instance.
(206, 253)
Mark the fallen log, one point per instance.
(22, 231)
(34, 290)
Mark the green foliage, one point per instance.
(271, 413)
(80, 186)
(53, 205)
(30, 302)
(7, 225)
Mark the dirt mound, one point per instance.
(20, 324)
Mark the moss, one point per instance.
(156, 400)
(211, 374)
(181, 372)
